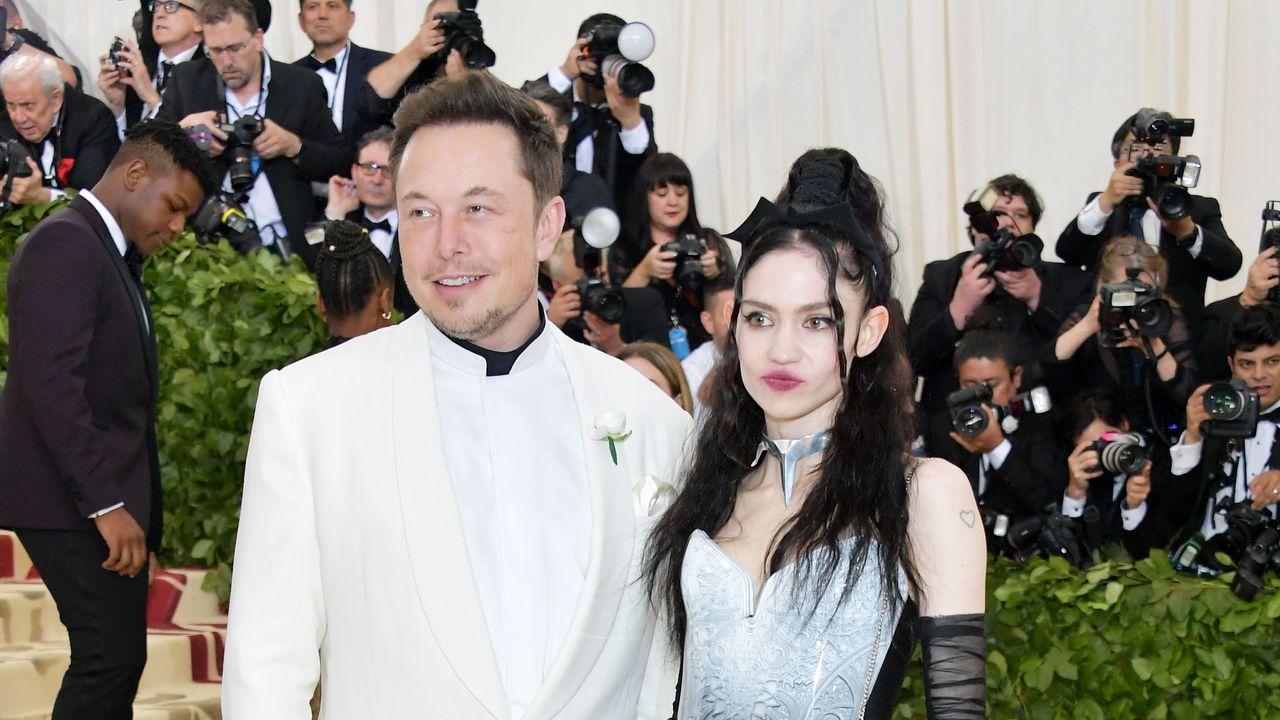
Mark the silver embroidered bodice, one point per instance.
(774, 661)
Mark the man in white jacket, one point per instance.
(438, 518)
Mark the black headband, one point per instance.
(840, 216)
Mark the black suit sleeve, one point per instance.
(53, 304)
(1076, 248)
(97, 145)
(645, 318)
(1219, 255)
(1031, 474)
(933, 334)
(325, 152)
(1211, 352)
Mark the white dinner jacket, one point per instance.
(351, 565)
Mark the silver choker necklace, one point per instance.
(789, 453)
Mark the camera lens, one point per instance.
(971, 421)
(1223, 402)
(608, 303)
(1154, 317)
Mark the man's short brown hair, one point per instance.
(478, 98)
(219, 11)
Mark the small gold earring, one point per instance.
(386, 316)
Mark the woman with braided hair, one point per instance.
(355, 283)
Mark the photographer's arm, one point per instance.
(933, 333)
(322, 151)
(1077, 334)
(1217, 253)
(387, 79)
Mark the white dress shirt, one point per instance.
(262, 206)
(1257, 453)
(696, 368)
(1092, 220)
(382, 239)
(634, 141)
(1130, 518)
(335, 83)
(519, 475)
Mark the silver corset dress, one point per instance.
(776, 661)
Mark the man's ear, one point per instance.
(708, 322)
(136, 174)
(550, 224)
(1016, 377)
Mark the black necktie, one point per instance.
(166, 69)
(383, 224)
(316, 64)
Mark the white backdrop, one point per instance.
(934, 97)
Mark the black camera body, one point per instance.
(13, 164)
(462, 32)
(602, 45)
(1165, 178)
(1003, 251)
(1251, 543)
(1136, 301)
(1122, 452)
(220, 216)
(1261, 555)
(1233, 410)
(968, 407)
(689, 250)
(1052, 534)
(601, 297)
(115, 54)
(240, 137)
(592, 233)
(1271, 238)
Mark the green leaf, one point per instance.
(1142, 667)
(1113, 592)
(202, 549)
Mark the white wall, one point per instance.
(933, 97)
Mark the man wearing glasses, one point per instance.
(133, 82)
(1196, 246)
(273, 116)
(368, 198)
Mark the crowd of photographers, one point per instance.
(1094, 403)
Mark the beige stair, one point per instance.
(34, 651)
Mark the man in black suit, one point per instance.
(69, 136)
(368, 198)
(341, 64)
(1033, 302)
(421, 61)
(298, 143)
(79, 471)
(133, 86)
(1196, 246)
(611, 133)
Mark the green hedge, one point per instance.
(1121, 640)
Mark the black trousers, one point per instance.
(106, 618)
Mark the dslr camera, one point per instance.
(220, 216)
(1052, 534)
(619, 51)
(1233, 410)
(240, 137)
(1271, 238)
(1165, 178)
(689, 250)
(1251, 543)
(115, 54)
(594, 232)
(462, 32)
(1133, 302)
(13, 164)
(1002, 250)
(1126, 452)
(968, 408)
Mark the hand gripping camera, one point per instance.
(1270, 237)
(620, 50)
(1125, 453)
(596, 231)
(1233, 410)
(1133, 308)
(13, 163)
(1251, 543)
(462, 32)
(1164, 177)
(1002, 250)
(688, 249)
(968, 408)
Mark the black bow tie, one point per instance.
(315, 64)
(384, 225)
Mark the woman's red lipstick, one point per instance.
(782, 381)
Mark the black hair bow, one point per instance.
(840, 216)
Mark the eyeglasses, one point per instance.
(228, 50)
(370, 169)
(169, 6)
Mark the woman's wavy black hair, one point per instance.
(861, 489)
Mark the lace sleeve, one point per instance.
(955, 666)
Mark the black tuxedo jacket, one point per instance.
(1156, 529)
(84, 140)
(1030, 477)
(77, 414)
(401, 297)
(1211, 351)
(934, 336)
(296, 101)
(1219, 257)
(360, 60)
(132, 103)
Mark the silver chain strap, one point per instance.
(875, 653)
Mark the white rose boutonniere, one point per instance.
(651, 496)
(611, 427)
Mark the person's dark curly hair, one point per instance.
(350, 269)
(164, 144)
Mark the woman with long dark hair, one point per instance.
(805, 541)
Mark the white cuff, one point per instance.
(120, 126)
(635, 140)
(1131, 519)
(558, 80)
(1185, 457)
(55, 193)
(999, 454)
(1092, 219)
(1072, 507)
(1198, 245)
(104, 511)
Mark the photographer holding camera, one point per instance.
(1231, 432)
(1148, 204)
(1130, 339)
(1003, 272)
(1002, 440)
(1113, 470)
(266, 123)
(612, 131)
